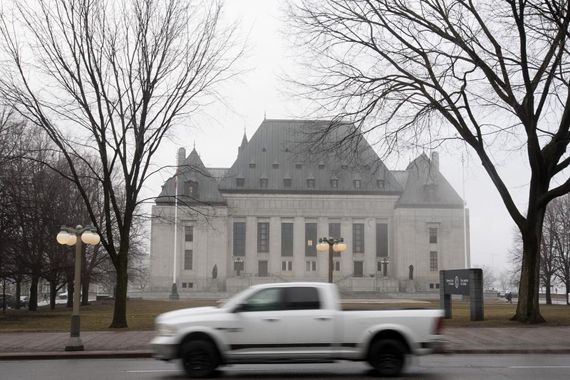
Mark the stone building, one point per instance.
(260, 219)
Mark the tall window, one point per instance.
(311, 239)
(286, 239)
(358, 269)
(381, 240)
(188, 233)
(311, 266)
(358, 238)
(334, 232)
(188, 259)
(263, 237)
(433, 235)
(286, 265)
(239, 239)
(433, 261)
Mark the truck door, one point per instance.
(309, 327)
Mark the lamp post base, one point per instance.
(174, 293)
(74, 344)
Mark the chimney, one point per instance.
(435, 161)
(181, 157)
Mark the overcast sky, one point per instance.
(217, 131)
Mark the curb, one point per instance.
(75, 355)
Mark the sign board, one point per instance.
(466, 282)
(457, 281)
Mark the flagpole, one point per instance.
(174, 291)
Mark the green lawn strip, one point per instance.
(141, 314)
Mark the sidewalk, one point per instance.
(104, 344)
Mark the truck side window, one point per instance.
(265, 300)
(302, 298)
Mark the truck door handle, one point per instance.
(323, 318)
(271, 319)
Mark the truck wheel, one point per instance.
(388, 357)
(199, 358)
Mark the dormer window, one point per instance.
(334, 183)
(310, 183)
(191, 189)
(275, 165)
(298, 165)
(240, 182)
(263, 183)
(380, 184)
(357, 183)
(344, 166)
(286, 182)
(321, 165)
(252, 165)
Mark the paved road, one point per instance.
(464, 367)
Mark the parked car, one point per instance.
(293, 322)
(11, 301)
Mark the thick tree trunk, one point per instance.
(33, 301)
(567, 291)
(528, 307)
(120, 309)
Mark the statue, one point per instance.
(215, 271)
(411, 274)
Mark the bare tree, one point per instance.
(120, 74)
(548, 249)
(491, 74)
(562, 252)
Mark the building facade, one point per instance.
(260, 220)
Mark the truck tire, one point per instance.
(388, 357)
(199, 358)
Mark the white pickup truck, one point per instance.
(293, 322)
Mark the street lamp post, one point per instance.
(332, 245)
(75, 236)
(238, 261)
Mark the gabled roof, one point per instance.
(192, 171)
(279, 152)
(426, 187)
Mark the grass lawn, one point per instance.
(141, 314)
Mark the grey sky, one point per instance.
(218, 130)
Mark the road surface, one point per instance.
(464, 367)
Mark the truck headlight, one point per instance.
(166, 330)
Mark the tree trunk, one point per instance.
(120, 309)
(85, 280)
(547, 294)
(52, 294)
(528, 307)
(18, 293)
(33, 301)
(70, 291)
(567, 291)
